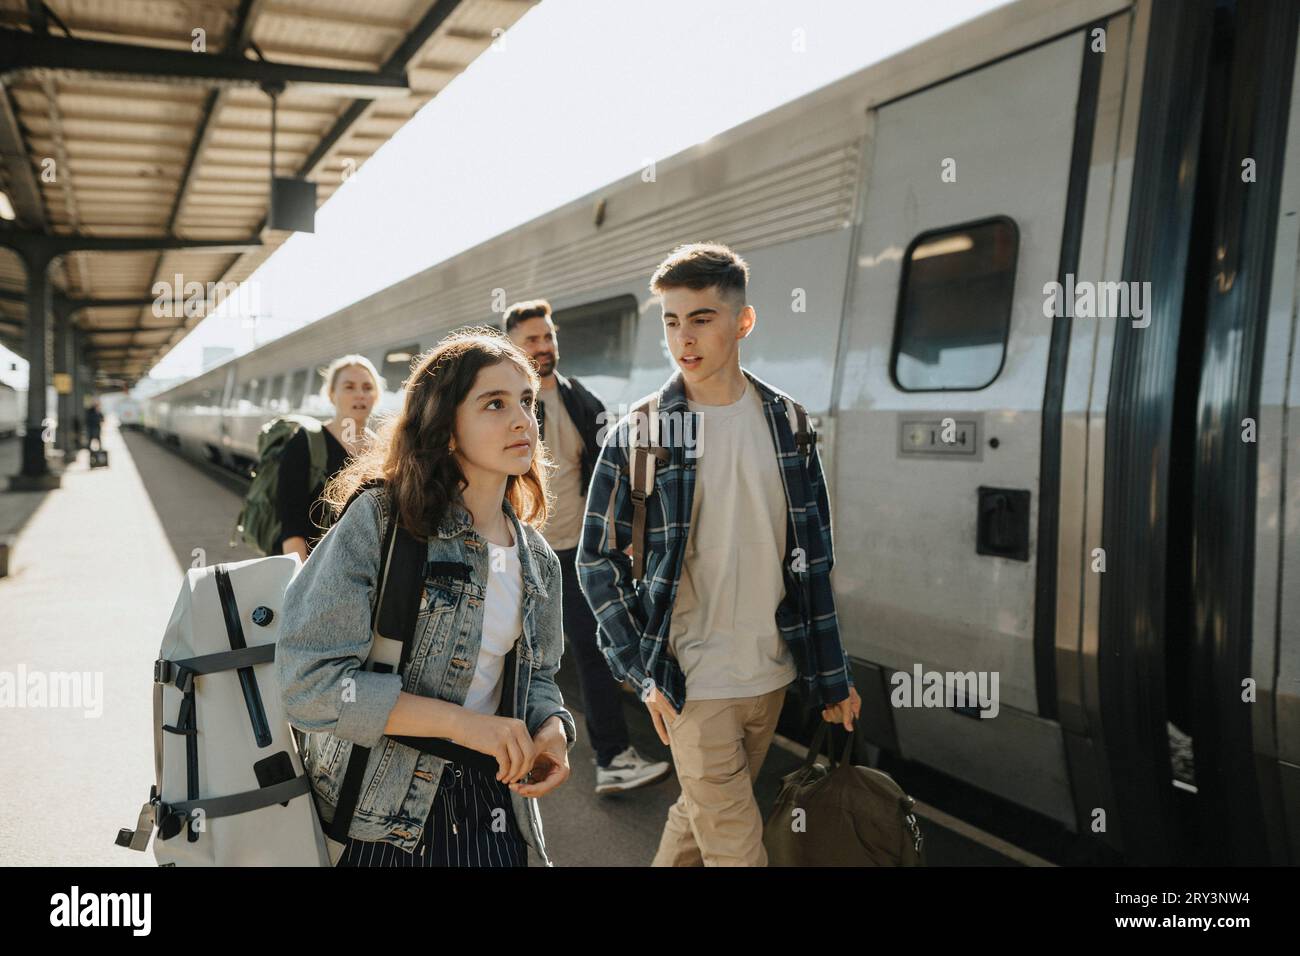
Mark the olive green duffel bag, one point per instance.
(841, 816)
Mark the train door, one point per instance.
(945, 357)
(1275, 751)
(1210, 616)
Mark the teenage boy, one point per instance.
(568, 420)
(736, 600)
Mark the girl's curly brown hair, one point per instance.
(410, 449)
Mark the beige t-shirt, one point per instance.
(723, 630)
(564, 526)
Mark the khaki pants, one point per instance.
(718, 747)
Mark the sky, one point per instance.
(562, 104)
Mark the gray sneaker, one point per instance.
(628, 771)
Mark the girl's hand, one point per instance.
(505, 738)
(550, 765)
(549, 771)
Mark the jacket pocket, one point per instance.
(439, 596)
(436, 620)
(388, 776)
(325, 761)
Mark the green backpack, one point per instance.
(258, 524)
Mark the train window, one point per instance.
(253, 390)
(397, 365)
(597, 338)
(954, 308)
(275, 393)
(297, 385)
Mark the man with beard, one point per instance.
(569, 418)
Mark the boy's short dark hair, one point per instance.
(532, 309)
(703, 265)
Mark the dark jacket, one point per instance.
(586, 411)
(302, 512)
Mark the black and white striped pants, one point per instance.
(471, 823)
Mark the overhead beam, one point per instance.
(245, 21)
(36, 16)
(70, 209)
(24, 193)
(22, 52)
(74, 305)
(23, 240)
(395, 65)
(437, 14)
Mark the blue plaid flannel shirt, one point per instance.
(634, 616)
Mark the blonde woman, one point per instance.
(353, 386)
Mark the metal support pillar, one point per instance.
(35, 474)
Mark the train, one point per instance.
(13, 410)
(126, 410)
(1035, 281)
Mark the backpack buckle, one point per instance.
(169, 672)
(167, 819)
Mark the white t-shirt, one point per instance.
(503, 622)
(723, 630)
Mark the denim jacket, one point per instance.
(325, 638)
(635, 617)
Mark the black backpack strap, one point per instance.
(403, 564)
(359, 756)
(400, 608)
(805, 439)
(645, 437)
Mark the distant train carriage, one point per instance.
(13, 410)
(128, 413)
(996, 267)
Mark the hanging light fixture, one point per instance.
(293, 201)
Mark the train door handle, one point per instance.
(1002, 524)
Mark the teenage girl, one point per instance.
(462, 468)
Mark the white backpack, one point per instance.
(229, 787)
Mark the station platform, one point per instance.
(94, 571)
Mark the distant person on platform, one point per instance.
(94, 421)
(568, 417)
(352, 385)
